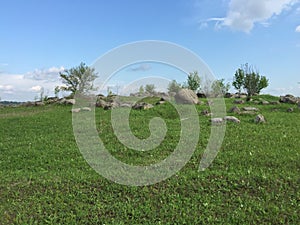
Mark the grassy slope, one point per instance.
(44, 179)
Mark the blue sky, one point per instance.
(41, 38)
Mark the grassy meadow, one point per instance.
(44, 179)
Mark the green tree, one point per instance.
(78, 79)
(219, 87)
(249, 79)
(254, 83)
(238, 80)
(150, 88)
(174, 86)
(193, 81)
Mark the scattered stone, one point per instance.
(274, 102)
(265, 102)
(253, 109)
(76, 110)
(87, 109)
(289, 99)
(186, 96)
(101, 103)
(235, 109)
(229, 95)
(216, 121)
(206, 113)
(290, 110)
(243, 96)
(238, 101)
(68, 101)
(142, 106)
(232, 119)
(260, 119)
(39, 103)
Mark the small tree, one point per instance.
(150, 88)
(174, 86)
(252, 81)
(238, 80)
(193, 81)
(219, 87)
(79, 79)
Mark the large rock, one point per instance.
(186, 96)
(289, 99)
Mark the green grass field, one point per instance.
(255, 178)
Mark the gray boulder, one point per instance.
(87, 109)
(186, 96)
(260, 119)
(253, 109)
(235, 109)
(142, 106)
(238, 101)
(216, 121)
(232, 119)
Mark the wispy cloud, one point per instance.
(48, 75)
(242, 15)
(298, 29)
(142, 67)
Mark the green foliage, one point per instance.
(219, 88)
(78, 79)
(250, 80)
(238, 80)
(174, 86)
(150, 88)
(193, 81)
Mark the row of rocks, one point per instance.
(218, 121)
(290, 99)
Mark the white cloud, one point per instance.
(36, 88)
(25, 87)
(242, 15)
(298, 29)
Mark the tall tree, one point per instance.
(77, 79)
(238, 80)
